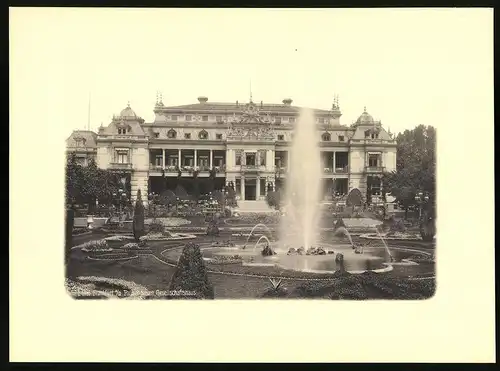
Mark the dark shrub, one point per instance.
(428, 230)
(267, 251)
(354, 198)
(279, 292)
(138, 222)
(274, 199)
(191, 275)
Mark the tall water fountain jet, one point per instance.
(303, 185)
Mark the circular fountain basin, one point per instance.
(372, 258)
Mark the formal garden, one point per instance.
(174, 245)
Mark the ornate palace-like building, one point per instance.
(246, 143)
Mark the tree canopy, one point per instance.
(415, 167)
(85, 184)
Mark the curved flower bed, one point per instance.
(392, 237)
(119, 238)
(94, 246)
(167, 236)
(224, 259)
(170, 221)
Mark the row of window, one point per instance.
(172, 134)
(220, 118)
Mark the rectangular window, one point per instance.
(204, 118)
(188, 117)
(238, 159)
(218, 118)
(341, 138)
(321, 120)
(373, 160)
(281, 137)
(174, 117)
(262, 187)
(122, 157)
(158, 161)
(250, 159)
(291, 119)
(374, 136)
(218, 136)
(187, 135)
(262, 158)
(277, 120)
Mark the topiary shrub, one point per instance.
(138, 222)
(191, 275)
(274, 199)
(428, 230)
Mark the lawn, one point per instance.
(234, 281)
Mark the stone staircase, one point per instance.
(259, 206)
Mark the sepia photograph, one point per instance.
(251, 161)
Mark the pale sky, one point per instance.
(407, 66)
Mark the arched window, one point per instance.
(326, 137)
(203, 135)
(172, 134)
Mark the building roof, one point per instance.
(237, 106)
(82, 138)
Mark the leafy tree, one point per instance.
(70, 221)
(138, 222)
(415, 168)
(86, 184)
(191, 274)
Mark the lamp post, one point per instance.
(421, 198)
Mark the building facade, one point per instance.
(246, 144)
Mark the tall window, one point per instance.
(373, 160)
(237, 159)
(188, 117)
(158, 160)
(250, 159)
(262, 187)
(262, 158)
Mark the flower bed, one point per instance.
(170, 222)
(394, 236)
(255, 218)
(94, 246)
(225, 259)
(166, 236)
(119, 238)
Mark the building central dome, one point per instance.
(365, 118)
(128, 113)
